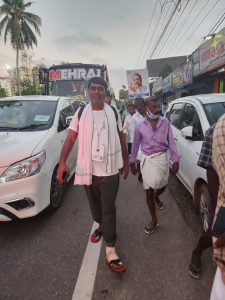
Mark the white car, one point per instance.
(190, 117)
(32, 133)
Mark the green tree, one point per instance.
(27, 87)
(123, 93)
(165, 71)
(2, 92)
(16, 24)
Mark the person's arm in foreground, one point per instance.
(125, 127)
(125, 169)
(123, 143)
(134, 151)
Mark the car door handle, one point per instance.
(197, 153)
(176, 139)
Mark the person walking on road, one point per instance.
(154, 136)
(218, 229)
(205, 241)
(127, 125)
(102, 152)
(137, 118)
(108, 98)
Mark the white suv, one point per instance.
(190, 117)
(32, 133)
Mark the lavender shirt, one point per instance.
(154, 140)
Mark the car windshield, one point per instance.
(26, 115)
(214, 111)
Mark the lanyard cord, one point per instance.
(100, 130)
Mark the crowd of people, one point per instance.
(143, 144)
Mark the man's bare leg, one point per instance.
(150, 228)
(159, 203)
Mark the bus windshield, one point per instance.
(76, 89)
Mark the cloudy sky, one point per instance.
(121, 34)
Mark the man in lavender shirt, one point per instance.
(154, 136)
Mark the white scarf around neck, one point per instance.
(83, 174)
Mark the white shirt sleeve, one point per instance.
(74, 124)
(132, 129)
(119, 122)
(126, 125)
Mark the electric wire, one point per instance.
(199, 24)
(165, 29)
(213, 29)
(181, 27)
(147, 32)
(150, 38)
(170, 33)
(154, 32)
(217, 25)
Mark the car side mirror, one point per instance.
(187, 132)
(68, 120)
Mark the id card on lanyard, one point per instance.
(98, 153)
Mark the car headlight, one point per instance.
(24, 168)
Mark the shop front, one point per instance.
(209, 64)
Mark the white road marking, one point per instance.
(86, 278)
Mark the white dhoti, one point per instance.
(155, 170)
(218, 288)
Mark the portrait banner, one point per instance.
(138, 85)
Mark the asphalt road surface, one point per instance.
(45, 257)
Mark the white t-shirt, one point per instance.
(136, 118)
(127, 127)
(100, 137)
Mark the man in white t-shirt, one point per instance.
(102, 152)
(127, 125)
(108, 98)
(138, 117)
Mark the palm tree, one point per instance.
(16, 24)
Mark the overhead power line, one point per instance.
(172, 29)
(218, 23)
(165, 29)
(214, 28)
(181, 27)
(199, 24)
(147, 32)
(189, 25)
(154, 32)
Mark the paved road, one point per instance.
(41, 257)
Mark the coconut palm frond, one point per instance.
(7, 30)
(5, 10)
(28, 4)
(3, 23)
(33, 20)
(29, 37)
(8, 2)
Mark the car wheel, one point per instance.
(56, 193)
(204, 206)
